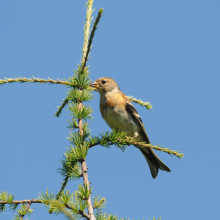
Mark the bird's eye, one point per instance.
(103, 81)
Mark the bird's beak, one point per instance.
(95, 85)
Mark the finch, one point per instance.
(119, 114)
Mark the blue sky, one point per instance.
(165, 52)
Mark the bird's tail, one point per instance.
(153, 161)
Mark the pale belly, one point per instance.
(120, 120)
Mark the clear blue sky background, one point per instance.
(165, 52)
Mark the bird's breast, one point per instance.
(115, 115)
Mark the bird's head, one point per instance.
(105, 85)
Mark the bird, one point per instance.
(120, 114)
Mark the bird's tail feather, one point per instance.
(153, 161)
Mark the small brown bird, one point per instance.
(119, 113)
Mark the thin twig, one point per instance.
(83, 214)
(140, 102)
(95, 26)
(157, 147)
(22, 216)
(30, 201)
(87, 30)
(95, 144)
(63, 186)
(36, 80)
(65, 102)
(22, 201)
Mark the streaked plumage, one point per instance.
(119, 113)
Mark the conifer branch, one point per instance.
(156, 147)
(30, 201)
(66, 82)
(36, 80)
(76, 156)
(86, 46)
(121, 141)
(159, 148)
(140, 102)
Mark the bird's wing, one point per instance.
(133, 112)
(153, 160)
